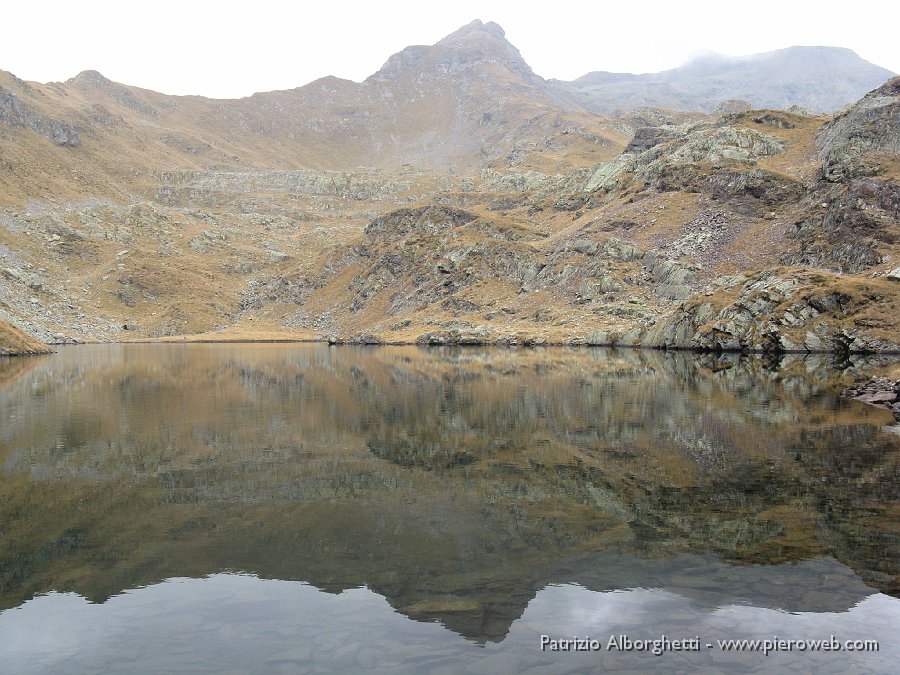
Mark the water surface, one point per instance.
(300, 508)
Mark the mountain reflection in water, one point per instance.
(473, 488)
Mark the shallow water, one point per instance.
(300, 508)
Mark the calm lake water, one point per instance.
(305, 508)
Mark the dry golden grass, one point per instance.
(16, 342)
(799, 161)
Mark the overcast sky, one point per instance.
(231, 49)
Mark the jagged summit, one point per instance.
(474, 28)
(91, 77)
(474, 45)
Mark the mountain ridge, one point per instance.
(797, 75)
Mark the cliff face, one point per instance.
(453, 196)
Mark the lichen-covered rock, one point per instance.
(606, 176)
(723, 144)
(622, 250)
(672, 280)
(478, 335)
(731, 106)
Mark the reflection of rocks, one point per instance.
(455, 482)
(414, 452)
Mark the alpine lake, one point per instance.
(283, 508)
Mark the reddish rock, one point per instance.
(878, 397)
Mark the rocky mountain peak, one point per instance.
(477, 43)
(474, 45)
(90, 78)
(477, 27)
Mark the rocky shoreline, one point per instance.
(460, 339)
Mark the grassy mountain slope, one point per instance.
(453, 196)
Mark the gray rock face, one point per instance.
(871, 125)
(16, 113)
(622, 250)
(424, 220)
(732, 105)
(606, 176)
(647, 137)
(457, 56)
(668, 164)
(848, 223)
(673, 280)
(770, 313)
(726, 143)
(30, 279)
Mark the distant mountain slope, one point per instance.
(465, 103)
(820, 79)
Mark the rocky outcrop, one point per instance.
(16, 113)
(871, 125)
(852, 214)
(724, 144)
(466, 336)
(421, 220)
(783, 311)
(849, 227)
(732, 105)
(668, 159)
(647, 137)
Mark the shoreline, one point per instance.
(367, 341)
